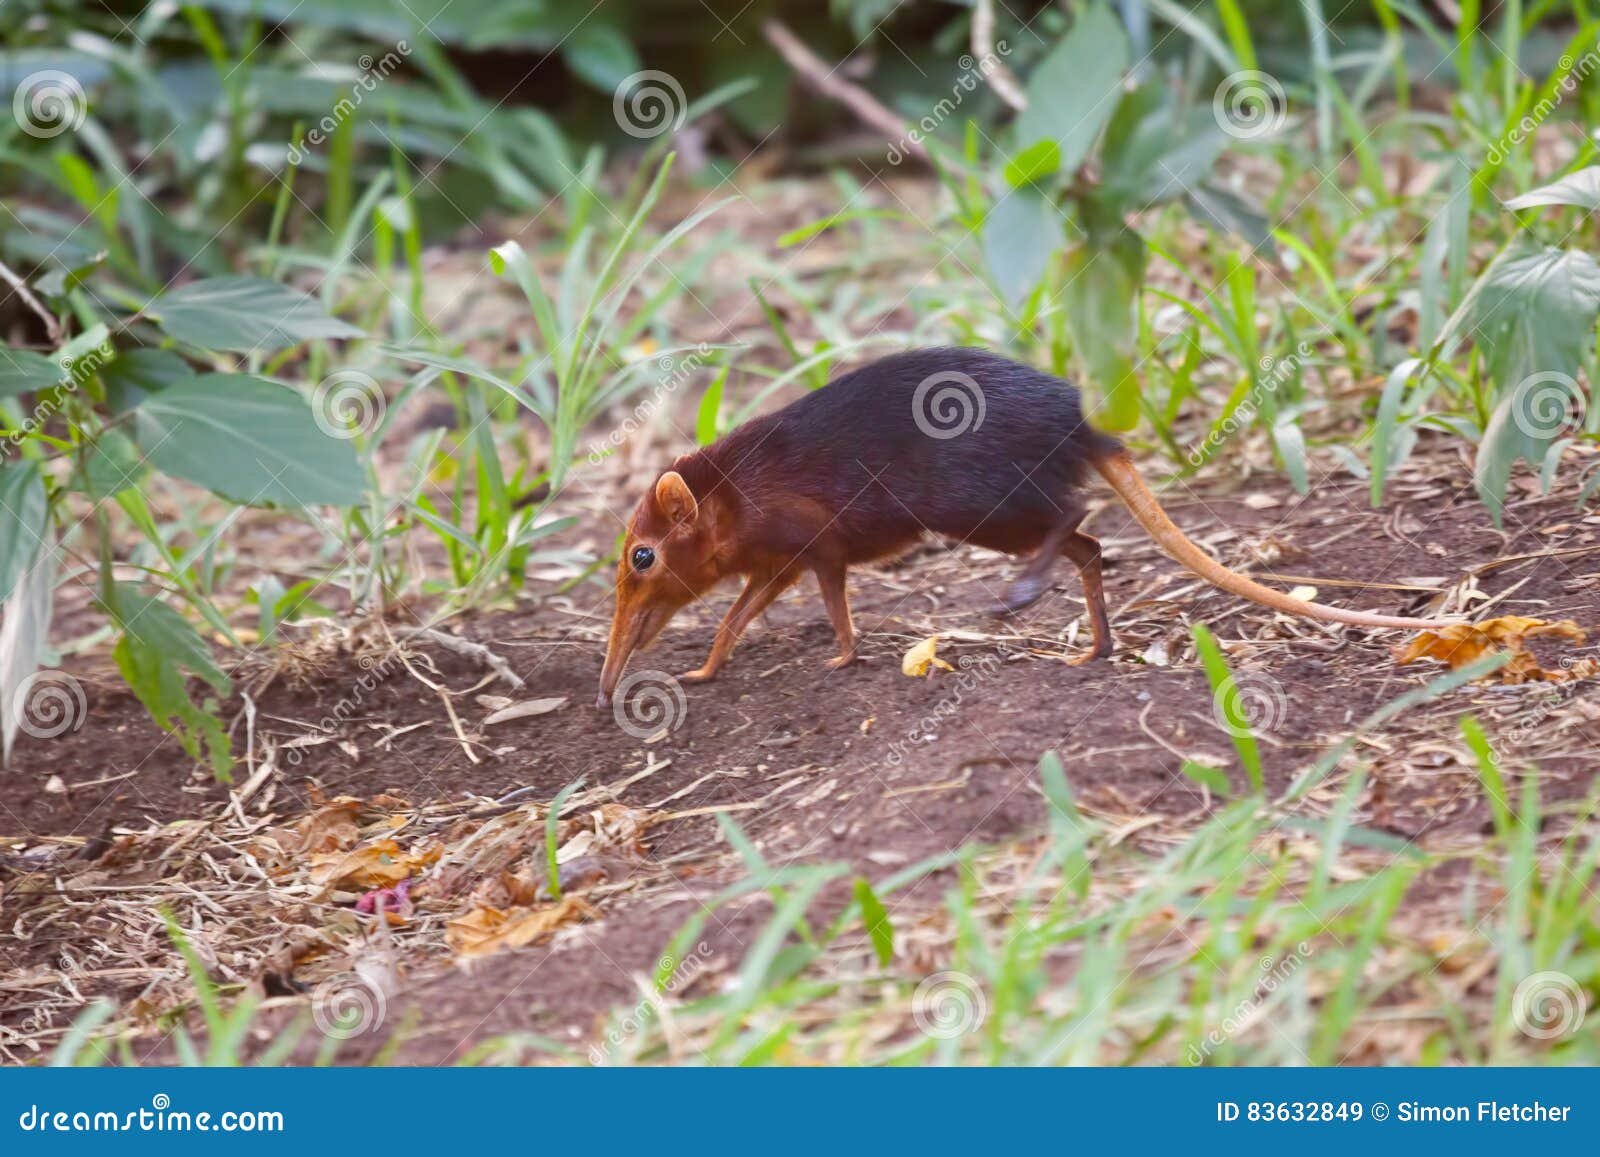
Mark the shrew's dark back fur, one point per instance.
(855, 461)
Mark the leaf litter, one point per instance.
(276, 907)
(1461, 644)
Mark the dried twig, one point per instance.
(1000, 78)
(471, 650)
(455, 722)
(827, 81)
(52, 327)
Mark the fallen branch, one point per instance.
(815, 72)
(466, 647)
(52, 327)
(999, 76)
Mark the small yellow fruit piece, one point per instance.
(921, 659)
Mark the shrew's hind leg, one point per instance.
(1029, 586)
(1084, 551)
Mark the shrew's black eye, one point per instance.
(643, 558)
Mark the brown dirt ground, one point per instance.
(864, 765)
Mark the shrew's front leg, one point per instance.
(760, 588)
(830, 579)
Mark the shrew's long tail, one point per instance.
(1118, 469)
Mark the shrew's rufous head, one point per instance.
(669, 559)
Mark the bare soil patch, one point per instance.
(864, 765)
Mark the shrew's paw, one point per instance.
(1020, 595)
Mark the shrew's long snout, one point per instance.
(618, 648)
(634, 624)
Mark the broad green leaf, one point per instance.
(1034, 164)
(600, 54)
(245, 314)
(876, 919)
(1291, 444)
(137, 374)
(152, 623)
(1581, 189)
(87, 354)
(111, 463)
(1527, 420)
(24, 515)
(1075, 88)
(23, 371)
(1020, 233)
(1139, 131)
(1192, 151)
(1231, 213)
(1154, 150)
(156, 653)
(1533, 317)
(249, 439)
(1535, 313)
(1098, 300)
(24, 627)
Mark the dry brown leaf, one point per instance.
(1460, 644)
(331, 828)
(522, 886)
(485, 931)
(378, 864)
(621, 827)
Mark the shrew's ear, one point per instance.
(674, 499)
